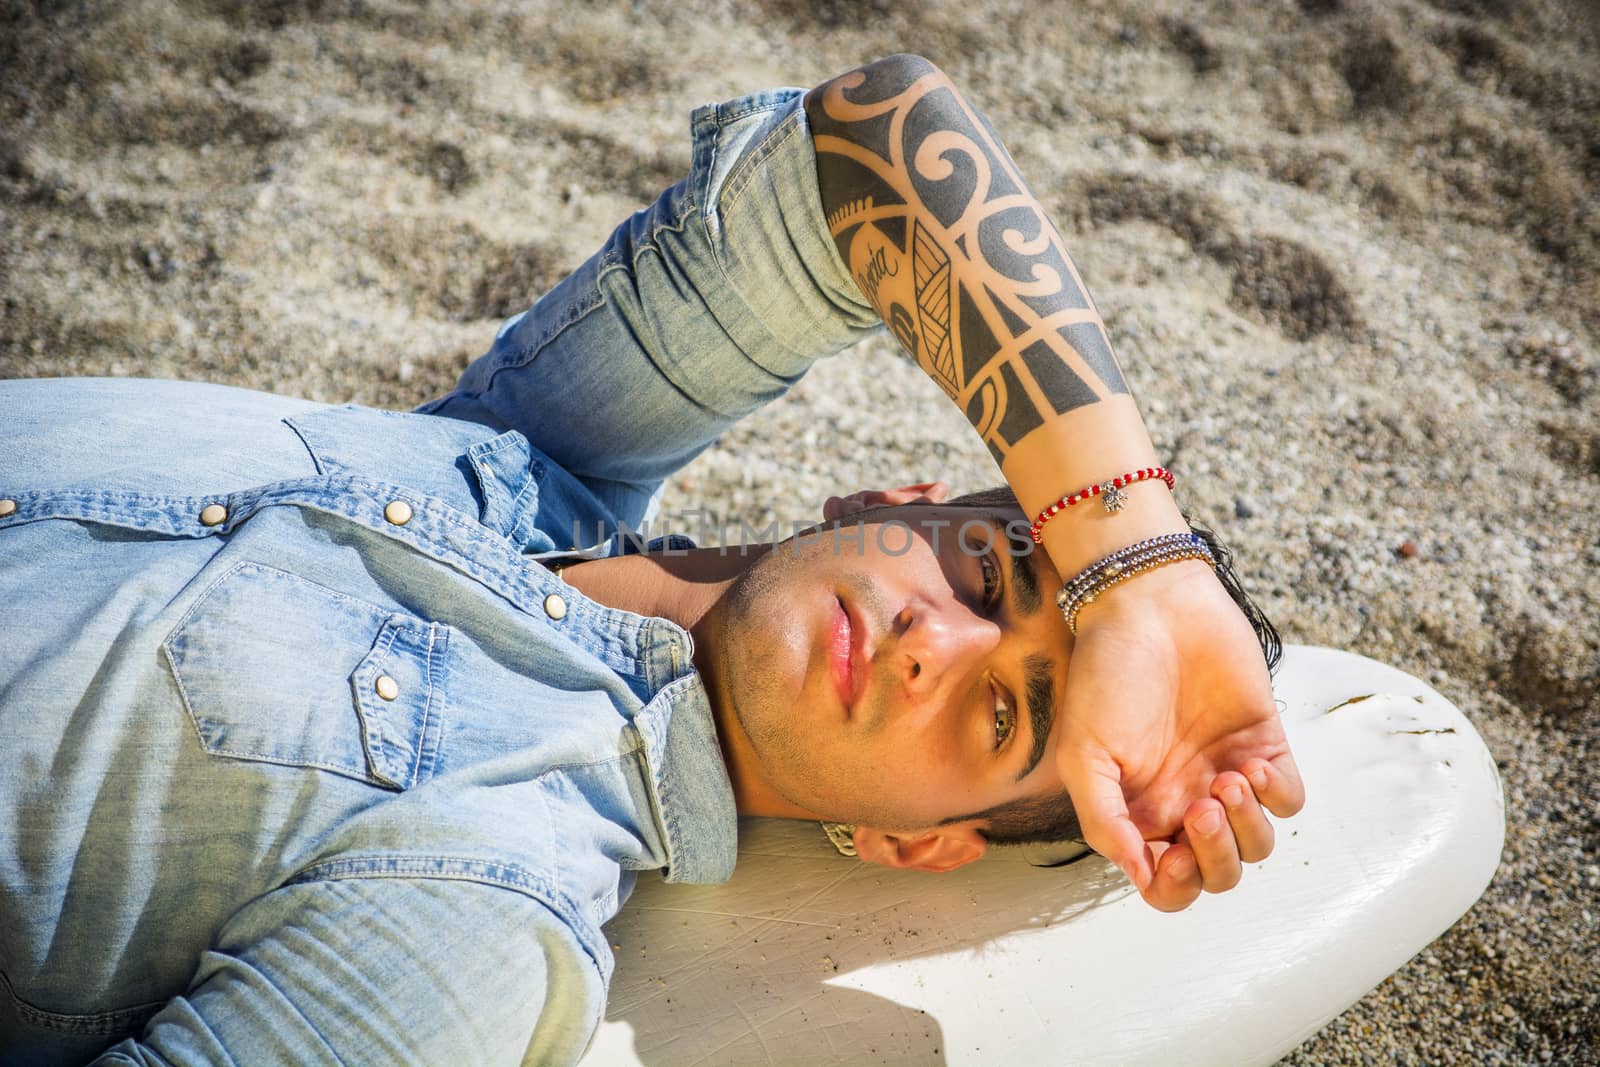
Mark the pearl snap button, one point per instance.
(555, 607)
(7, 507)
(398, 512)
(387, 687)
(213, 515)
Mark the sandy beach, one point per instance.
(1348, 252)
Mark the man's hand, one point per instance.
(837, 507)
(1172, 742)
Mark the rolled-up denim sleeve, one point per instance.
(380, 970)
(699, 309)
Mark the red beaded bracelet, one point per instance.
(1110, 492)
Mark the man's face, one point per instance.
(899, 669)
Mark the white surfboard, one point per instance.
(807, 957)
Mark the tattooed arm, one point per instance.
(954, 252)
(1167, 694)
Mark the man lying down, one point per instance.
(326, 743)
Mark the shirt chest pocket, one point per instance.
(278, 669)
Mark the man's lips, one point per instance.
(846, 654)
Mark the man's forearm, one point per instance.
(953, 250)
(956, 254)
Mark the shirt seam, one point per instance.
(109, 1022)
(522, 355)
(531, 885)
(738, 183)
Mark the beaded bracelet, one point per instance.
(1081, 591)
(1123, 557)
(1110, 493)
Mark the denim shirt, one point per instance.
(343, 697)
(307, 758)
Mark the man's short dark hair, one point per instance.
(1052, 818)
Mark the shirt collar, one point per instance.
(689, 784)
(685, 777)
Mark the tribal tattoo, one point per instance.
(953, 251)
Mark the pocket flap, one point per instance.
(393, 689)
(278, 669)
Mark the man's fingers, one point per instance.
(1214, 848)
(837, 507)
(1119, 841)
(1276, 783)
(923, 492)
(1103, 815)
(1252, 833)
(1177, 880)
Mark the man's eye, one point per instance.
(991, 581)
(1005, 720)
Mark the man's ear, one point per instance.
(943, 849)
(837, 507)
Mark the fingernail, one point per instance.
(1258, 777)
(1181, 867)
(1233, 796)
(1209, 823)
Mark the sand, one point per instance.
(1347, 252)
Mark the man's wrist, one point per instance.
(1125, 564)
(1146, 587)
(1078, 536)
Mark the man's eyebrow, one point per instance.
(1024, 579)
(1038, 675)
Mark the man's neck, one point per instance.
(686, 587)
(679, 586)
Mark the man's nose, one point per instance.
(938, 645)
